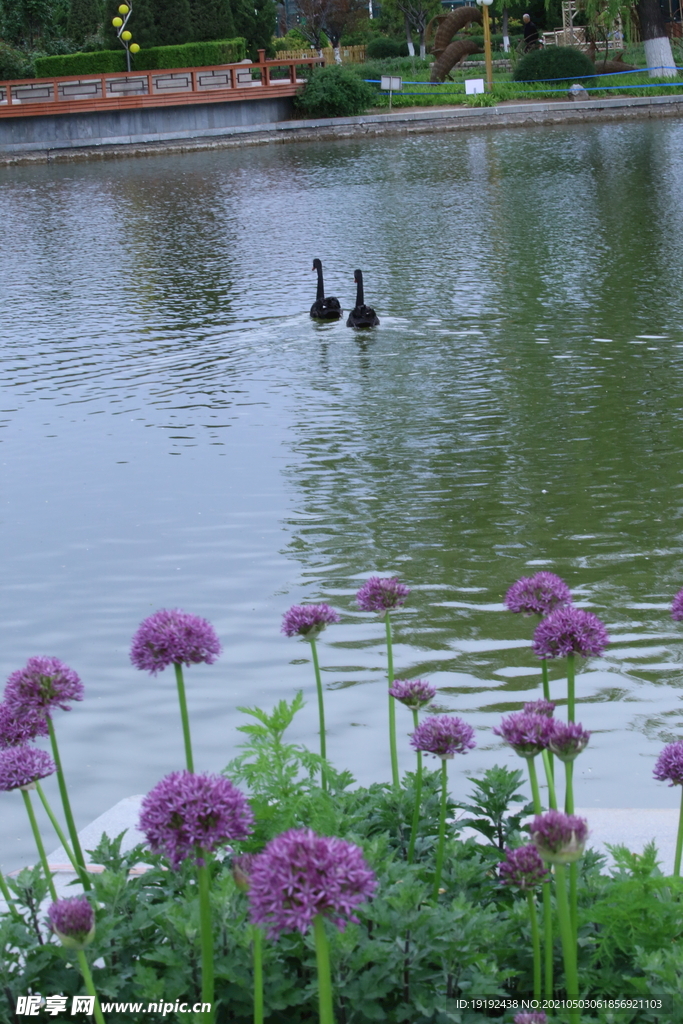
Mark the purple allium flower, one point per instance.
(567, 740)
(382, 596)
(540, 707)
(21, 767)
(300, 874)
(43, 684)
(527, 734)
(308, 620)
(559, 838)
(538, 595)
(444, 736)
(677, 607)
(73, 921)
(414, 693)
(569, 631)
(523, 868)
(173, 637)
(669, 766)
(186, 814)
(20, 725)
(531, 1018)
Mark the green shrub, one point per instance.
(335, 91)
(551, 63)
(12, 63)
(223, 51)
(382, 47)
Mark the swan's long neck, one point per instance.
(320, 294)
(359, 289)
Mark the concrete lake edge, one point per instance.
(405, 122)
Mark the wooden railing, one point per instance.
(348, 54)
(167, 87)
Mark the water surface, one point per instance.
(177, 432)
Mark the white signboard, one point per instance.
(473, 86)
(392, 84)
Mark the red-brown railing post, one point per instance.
(292, 73)
(149, 83)
(103, 79)
(55, 91)
(193, 81)
(261, 56)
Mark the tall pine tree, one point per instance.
(212, 19)
(173, 20)
(255, 20)
(85, 18)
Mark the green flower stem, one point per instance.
(70, 824)
(207, 937)
(418, 799)
(571, 697)
(7, 896)
(392, 706)
(548, 942)
(258, 975)
(322, 955)
(536, 944)
(89, 985)
(57, 827)
(550, 778)
(535, 791)
(39, 844)
(321, 712)
(442, 827)
(573, 868)
(189, 760)
(568, 940)
(546, 681)
(569, 787)
(679, 841)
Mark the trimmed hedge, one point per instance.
(551, 63)
(382, 47)
(188, 55)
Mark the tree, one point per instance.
(416, 14)
(85, 18)
(212, 19)
(312, 17)
(26, 22)
(173, 20)
(255, 21)
(602, 15)
(340, 15)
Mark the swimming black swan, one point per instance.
(361, 315)
(322, 308)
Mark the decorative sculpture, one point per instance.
(448, 53)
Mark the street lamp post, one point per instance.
(485, 4)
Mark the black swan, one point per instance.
(322, 308)
(361, 315)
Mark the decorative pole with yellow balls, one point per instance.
(485, 4)
(122, 32)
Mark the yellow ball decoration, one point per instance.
(126, 35)
(117, 22)
(134, 48)
(124, 8)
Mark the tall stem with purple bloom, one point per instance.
(393, 749)
(418, 799)
(322, 957)
(321, 713)
(39, 843)
(669, 768)
(415, 694)
(184, 716)
(524, 870)
(73, 921)
(68, 814)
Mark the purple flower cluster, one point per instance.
(531, 1018)
(523, 868)
(20, 725)
(538, 595)
(414, 693)
(669, 766)
(443, 736)
(73, 920)
(677, 607)
(568, 739)
(186, 814)
(569, 630)
(300, 874)
(21, 767)
(540, 707)
(173, 637)
(382, 595)
(42, 685)
(527, 734)
(308, 620)
(559, 838)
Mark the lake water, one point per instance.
(177, 432)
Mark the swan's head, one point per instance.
(317, 265)
(358, 276)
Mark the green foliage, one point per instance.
(12, 63)
(336, 91)
(226, 51)
(255, 21)
(28, 23)
(212, 19)
(382, 47)
(552, 63)
(490, 806)
(84, 19)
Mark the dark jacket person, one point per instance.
(531, 38)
